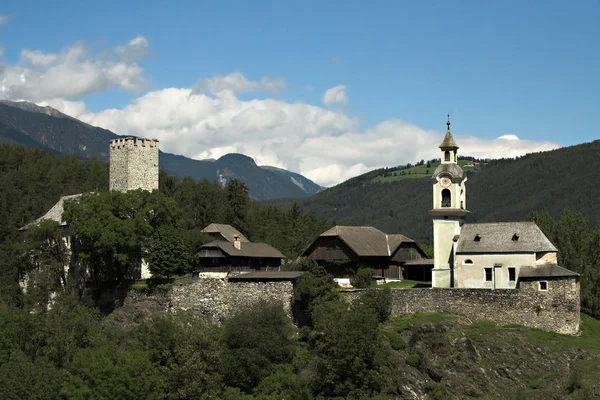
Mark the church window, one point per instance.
(543, 285)
(447, 156)
(446, 198)
(511, 274)
(468, 261)
(488, 274)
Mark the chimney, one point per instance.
(237, 243)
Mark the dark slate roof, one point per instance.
(448, 142)
(498, 238)
(454, 171)
(227, 231)
(267, 276)
(248, 249)
(55, 213)
(546, 271)
(367, 241)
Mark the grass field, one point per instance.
(419, 171)
(404, 284)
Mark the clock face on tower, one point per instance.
(445, 181)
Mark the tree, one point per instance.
(167, 254)
(362, 278)
(238, 199)
(110, 228)
(256, 340)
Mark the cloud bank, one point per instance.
(210, 119)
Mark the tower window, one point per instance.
(511, 274)
(455, 159)
(488, 274)
(447, 156)
(468, 261)
(515, 237)
(446, 198)
(543, 285)
(477, 238)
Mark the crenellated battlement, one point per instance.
(132, 141)
(133, 164)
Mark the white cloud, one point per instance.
(509, 137)
(237, 83)
(73, 72)
(325, 145)
(335, 95)
(4, 19)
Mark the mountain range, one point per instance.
(47, 128)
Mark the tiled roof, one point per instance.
(227, 231)
(247, 249)
(503, 237)
(546, 271)
(367, 241)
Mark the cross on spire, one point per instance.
(448, 123)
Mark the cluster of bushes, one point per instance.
(72, 351)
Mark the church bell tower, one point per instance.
(449, 210)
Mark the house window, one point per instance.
(488, 274)
(543, 285)
(468, 261)
(446, 198)
(511, 274)
(447, 156)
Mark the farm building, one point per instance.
(343, 249)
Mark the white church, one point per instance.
(484, 255)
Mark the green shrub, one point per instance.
(396, 340)
(414, 360)
(437, 391)
(379, 301)
(165, 287)
(139, 287)
(362, 279)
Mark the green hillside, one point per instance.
(418, 171)
(502, 190)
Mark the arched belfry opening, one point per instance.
(447, 156)
(446, 198)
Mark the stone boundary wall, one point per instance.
(556, 310)
(214, 298)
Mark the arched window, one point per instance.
(447, 156)
(446, 198)
(455, 157)
(468, 261)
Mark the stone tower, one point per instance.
(133, 164)
(449, 210)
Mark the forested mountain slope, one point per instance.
(46, 128)
(503, 190)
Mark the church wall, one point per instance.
(473, 275)
(555, 310)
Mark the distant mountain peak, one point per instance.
(32, 107)
(237, 158)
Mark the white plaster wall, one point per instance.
(473, 275)
(444, 231)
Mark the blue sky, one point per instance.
(527, 68)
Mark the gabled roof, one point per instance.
(227, 231)
(546, 271)
(248, 249)
(367, 241)
(55, 213)
(448, 142)
(503, 237)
